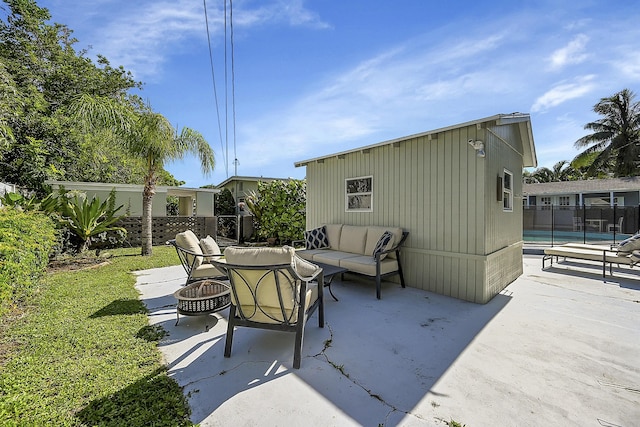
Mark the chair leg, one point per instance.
(378, 286)
(230, 328)
(400, 270)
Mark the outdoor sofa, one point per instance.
(371, 251)
(626, 252)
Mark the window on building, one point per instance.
(564, 201)
(359, 194)
(545, 202)
(507, 191)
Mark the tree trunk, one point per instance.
(147, 217)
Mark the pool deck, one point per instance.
(556, 347)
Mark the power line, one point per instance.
(225, 154)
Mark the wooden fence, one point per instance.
(166, 228)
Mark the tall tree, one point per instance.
(615, 137)
(147, 136)
(41, 74)
(156, 141)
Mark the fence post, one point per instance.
(584, 223)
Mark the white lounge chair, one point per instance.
(598, 253)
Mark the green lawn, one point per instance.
(84, 354)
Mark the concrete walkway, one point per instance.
(559, 347)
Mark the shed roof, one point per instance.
(584, 186)
(522, 119)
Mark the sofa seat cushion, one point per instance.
(333, 257)
(308, 254)
(367, 265)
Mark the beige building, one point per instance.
(242, 186)
(191, 201)
(457, 191)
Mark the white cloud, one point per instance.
(572, 53)
(564, 92)
(141, 36)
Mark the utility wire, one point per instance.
(233, 87)
(225, 155)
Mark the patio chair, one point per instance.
(196, 262)
(578, 223)
(617, 227)
(272, 289)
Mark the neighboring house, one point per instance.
(593, 192)
(457, 191)
(242, 186)
(192, 201)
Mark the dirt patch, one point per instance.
(76, 263)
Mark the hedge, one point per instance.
(26, 240)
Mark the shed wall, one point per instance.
(437, 189)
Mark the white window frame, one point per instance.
(507, 191)
(358, 194)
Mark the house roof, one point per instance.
(585, 186)
(172, 191)
(249, 178)
(521, 119)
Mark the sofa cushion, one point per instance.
(384, 243)
(308, 254)
(332, 257)
(629, 245)
(188, 240)
(353, 239)
(333, 235)
(316, 238)
(373, 236)
(367, 265)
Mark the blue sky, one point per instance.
(317, 77)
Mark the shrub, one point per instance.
(279, 209)
(26, 240)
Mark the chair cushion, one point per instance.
(207, 271)
(385, 242)
(259, 255)
(629, 245)
(316, 238)
(210, 246)
(303, 267)
(188, 240)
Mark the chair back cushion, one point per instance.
(333, 235)
(269, 295)
(188, 240)
(209, 246)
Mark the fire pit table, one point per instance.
(202, 297)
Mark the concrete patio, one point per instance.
(556, 347)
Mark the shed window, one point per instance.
(507, 191)
(359, 194)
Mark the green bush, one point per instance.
(279, 209)
(26, 239)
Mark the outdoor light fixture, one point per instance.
(478, 146)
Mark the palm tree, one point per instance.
(156, 141)
(616, 136)
(148, 136)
